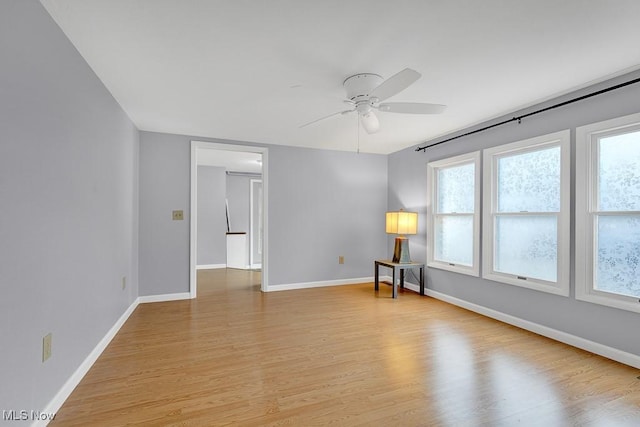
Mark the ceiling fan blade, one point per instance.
(326, 117)
(395, 84)
(411, 108)
(370, 122)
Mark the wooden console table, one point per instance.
(402, 267)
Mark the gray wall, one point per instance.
(212, 221)
(164, 187)
(68, 218)
(408, 187)
(69, 230)
(322, 204)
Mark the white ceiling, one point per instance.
(232, 161)
(257, 70)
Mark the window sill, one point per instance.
(535, 284)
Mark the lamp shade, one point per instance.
(402, 222)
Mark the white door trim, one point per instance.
(253, 237)
(193, 227)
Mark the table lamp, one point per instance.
(402, 223)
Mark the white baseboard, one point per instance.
(563, 337)
(408, 285)
(56, 403)
(164, 297)
(210, 266)
(609, 352)
(412, 286)
(305, 285)
(246, 267)
(58, 400)
(572, 340)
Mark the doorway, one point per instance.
(231, 158)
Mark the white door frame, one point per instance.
(202, 145)
(254, 235)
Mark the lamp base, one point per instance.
(401, 251)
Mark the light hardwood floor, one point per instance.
(342, 356)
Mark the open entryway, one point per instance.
(229, 188)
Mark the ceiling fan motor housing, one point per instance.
(359, 86)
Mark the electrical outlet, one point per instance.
(46, 347)
(178, 215)
(124, 282)
(341, 259)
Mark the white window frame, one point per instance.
(586, 209)
(490, 159)
(432, 197)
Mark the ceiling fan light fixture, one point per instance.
(370, 122)
(363, 108)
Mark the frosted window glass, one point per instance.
(454, 239)
(618, 263)
(527, 245)
(456, 189)
(619, 173)
(530, 182)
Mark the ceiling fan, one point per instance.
(365, 91)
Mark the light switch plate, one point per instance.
(178, 215)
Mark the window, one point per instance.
(526, 213)
(453, 213)
(608, 213)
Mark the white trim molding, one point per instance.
(563, 337)
(490, 212)
(433, 213)
(587, 211)
(193, 232)
(210, 266)
(65, 391)
(254, 236)
(164, 297)
(320, 284)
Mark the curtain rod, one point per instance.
(519, 118)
